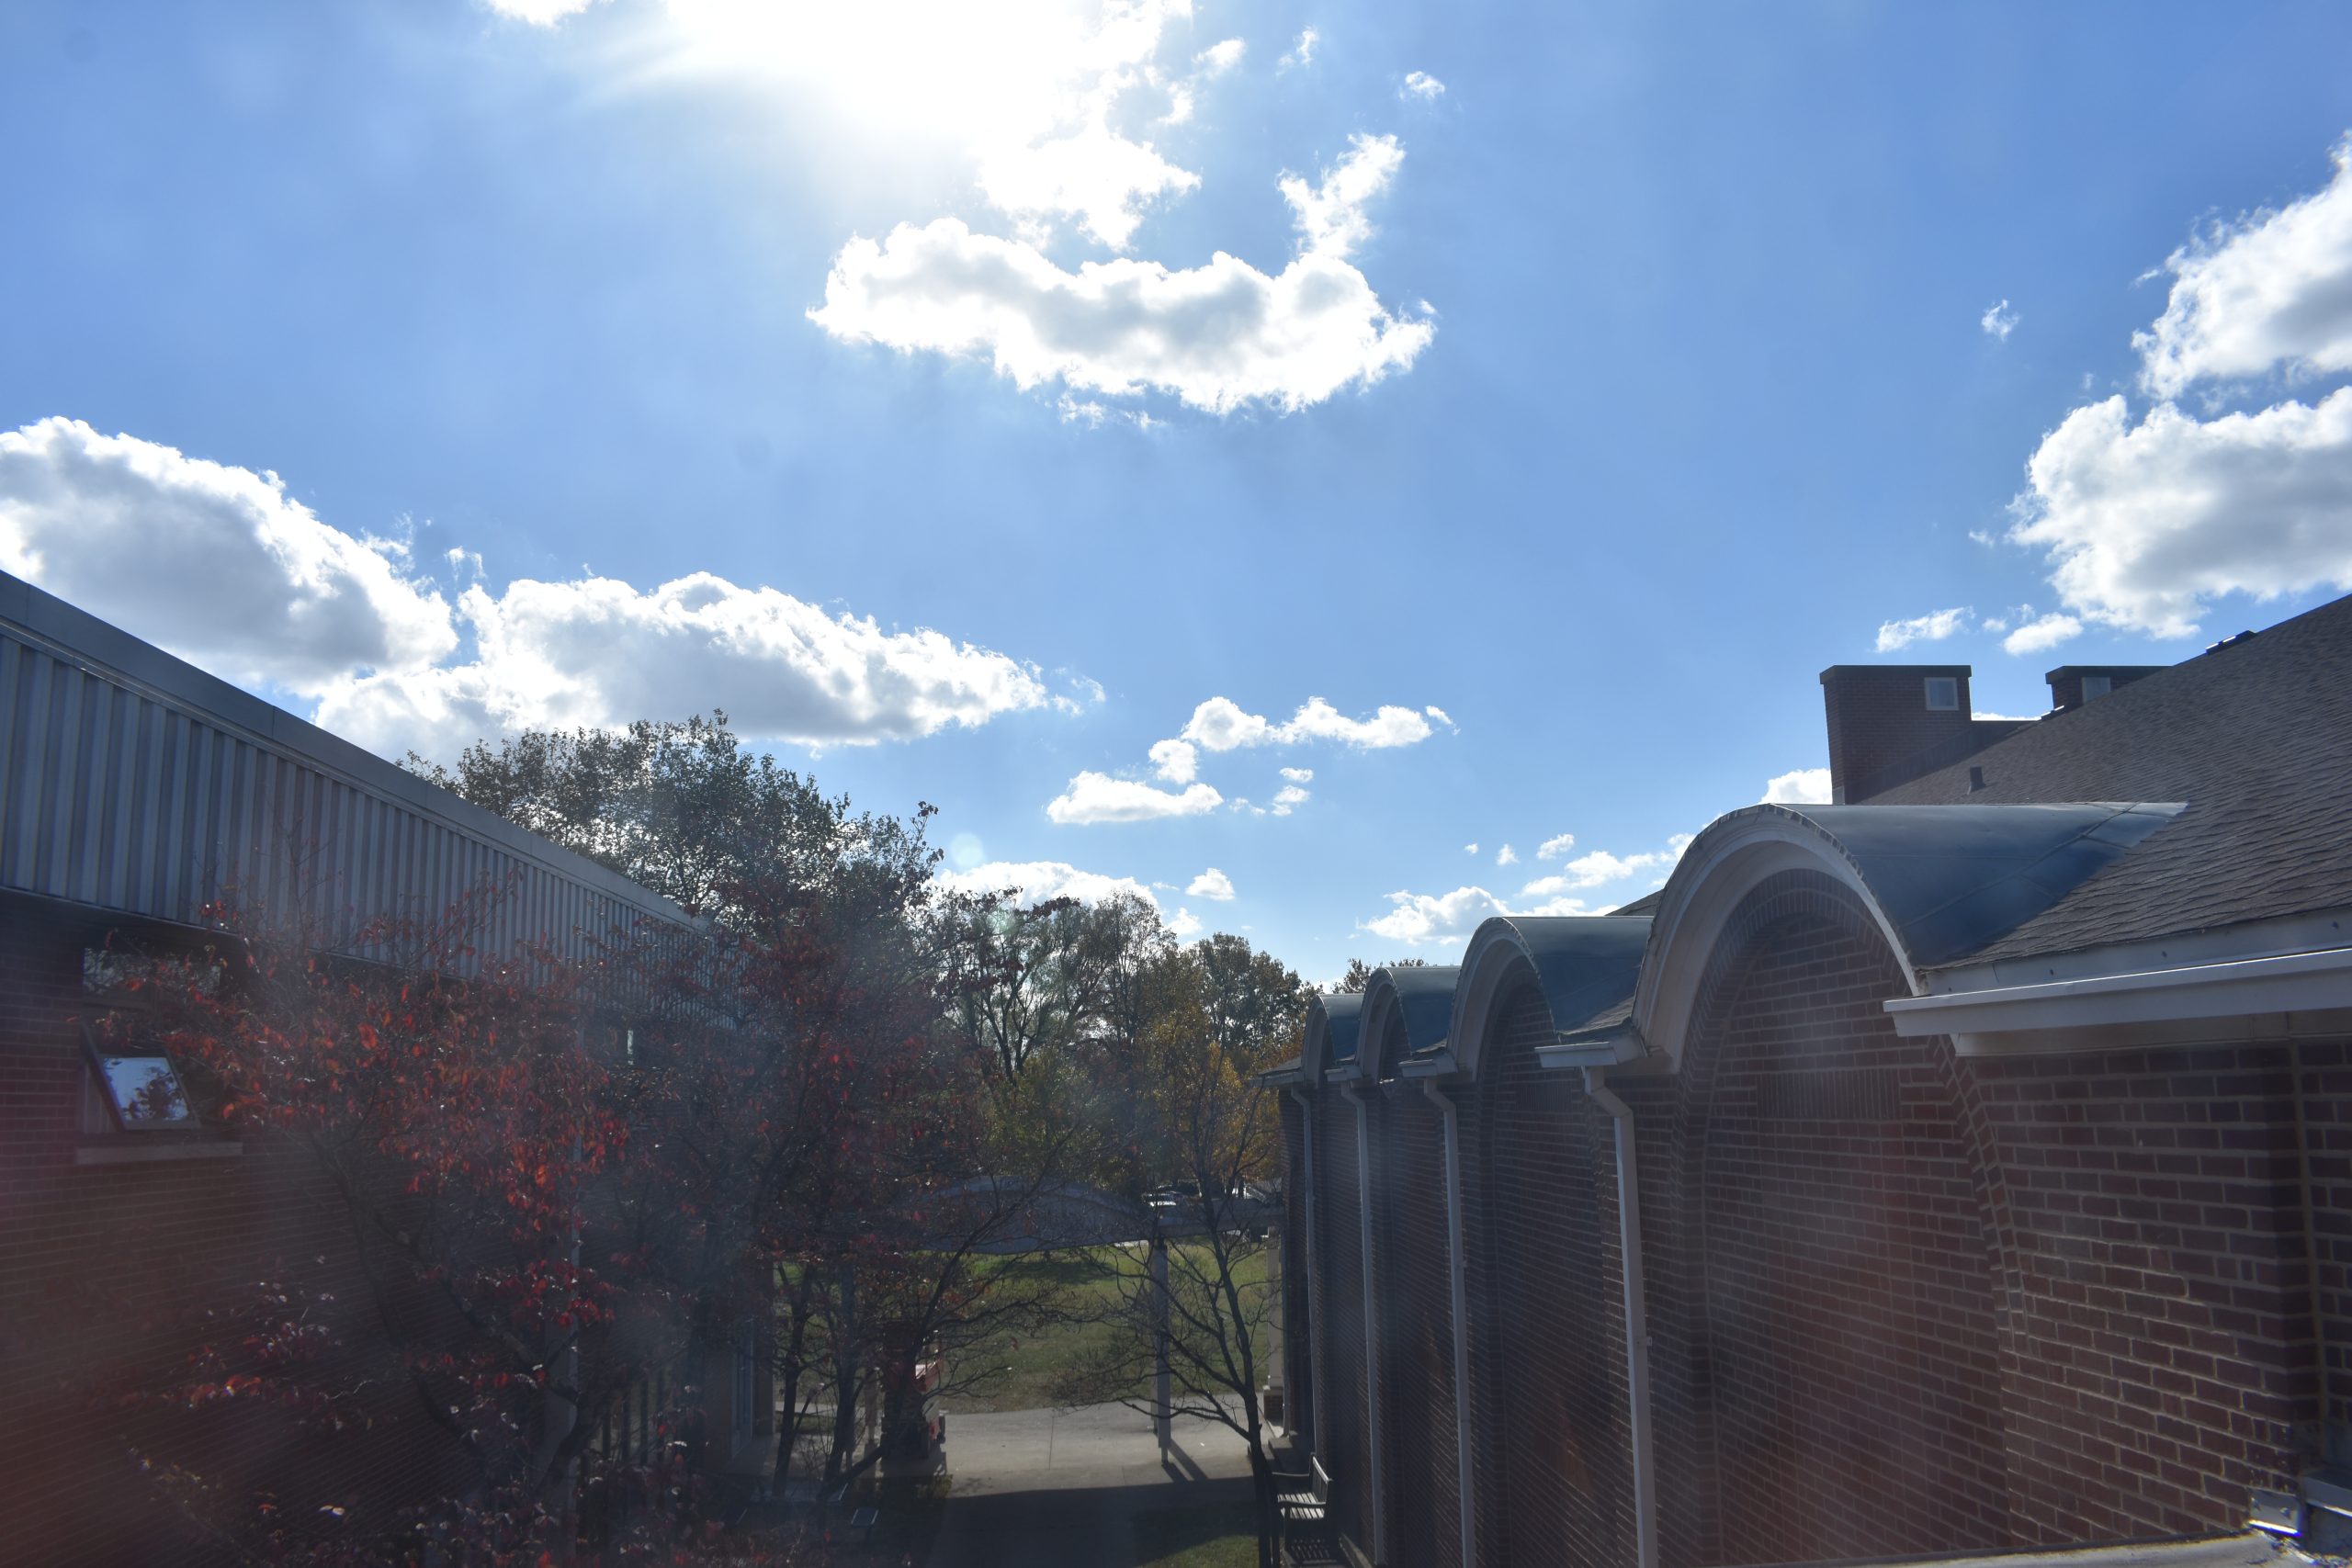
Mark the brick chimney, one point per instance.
(1887, 720)
(2072, 685)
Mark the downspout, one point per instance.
(1314, 1266)
(1465, 1495)
(1372, 1358)
(1638, 1333)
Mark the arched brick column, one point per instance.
(1549, 1358)
(1411, 1246)
(1345, 1447)
(1832, 1363)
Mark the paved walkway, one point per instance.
(1059, 1488)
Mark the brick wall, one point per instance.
(1549, 1394)
(102, 1263)
(2159, 1347)
(1416, 1331)
(1298, 1280)
(1834, 1254)
(1345, 1448)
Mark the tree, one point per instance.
(1359, 974)
(1219, 1014)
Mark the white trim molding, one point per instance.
(2284, 996)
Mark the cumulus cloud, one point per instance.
(598, 652)
(1222, 725)
(1221, 57)
(1217, 337)
(1094, 174)
(218, 564)
(1802, 787)
(1177, 761)
(1932, 628)
(1998, 322)
(1416, 919)
(1288, 798)
(1183, 925)
(1212, 884)
(1036, 881)
(1097, 797)
(1507, 856)
(1554, 848)
(1471, 848)
(2143, 523)
(539, 13)
(1303, 51)
(1423, 85)
(1299, 775)
(2039, 636)
(2271, 289)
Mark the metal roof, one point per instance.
(1331, 1020)
(1422, 995)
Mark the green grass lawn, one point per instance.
(1023, 1368)
(1196, 1537)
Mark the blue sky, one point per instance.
(1599, 375)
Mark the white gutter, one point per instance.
(2242, 989)
(1372, 1367)
(1465, 1493)
(1638, 1333)
(1314, 1265)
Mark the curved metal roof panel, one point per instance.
(1953, 879)
(1584, 965)
(1332, 1022)
(1419, 994)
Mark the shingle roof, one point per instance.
(2255, 737)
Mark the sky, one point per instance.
(1340, 471)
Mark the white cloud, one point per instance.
(539, 13)
(218, 564)
(1221, 57)
(1423, 85)
(1303, 51)
(2270, 289)
(1217, 337)
(1804, 786)
(1288, 798)
(1470, 848)
(1036, 881)
(1600, 868)
(1933, 628)
(600, 653)
(2143, 523)
(2037, 637)
(1435, 712)
(1212, 884)
(1183, 925)
(1177, 761)
(1507, 856)
(1097, 797)
(1998, 322)
(1299, 775)
(1444, 918)
(1554, 848)
(1222, 725)
(1094, 174)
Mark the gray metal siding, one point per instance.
(115, 795)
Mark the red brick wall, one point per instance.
(101, 1265)
(1298, 1280)
(1549, 1388)
(1345, 1447)
(2159, 1351)
(1417, 1330)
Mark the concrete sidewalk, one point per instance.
(1060, 1488)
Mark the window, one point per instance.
(137, 1089)
(2097, 687)
(1943, 694)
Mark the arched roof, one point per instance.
(1938, 881)
(1331, 1020)
(1421, 994)
(1584, 964)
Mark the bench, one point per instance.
(1303, 1499)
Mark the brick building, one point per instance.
(134, 790)
(1961, 1167)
